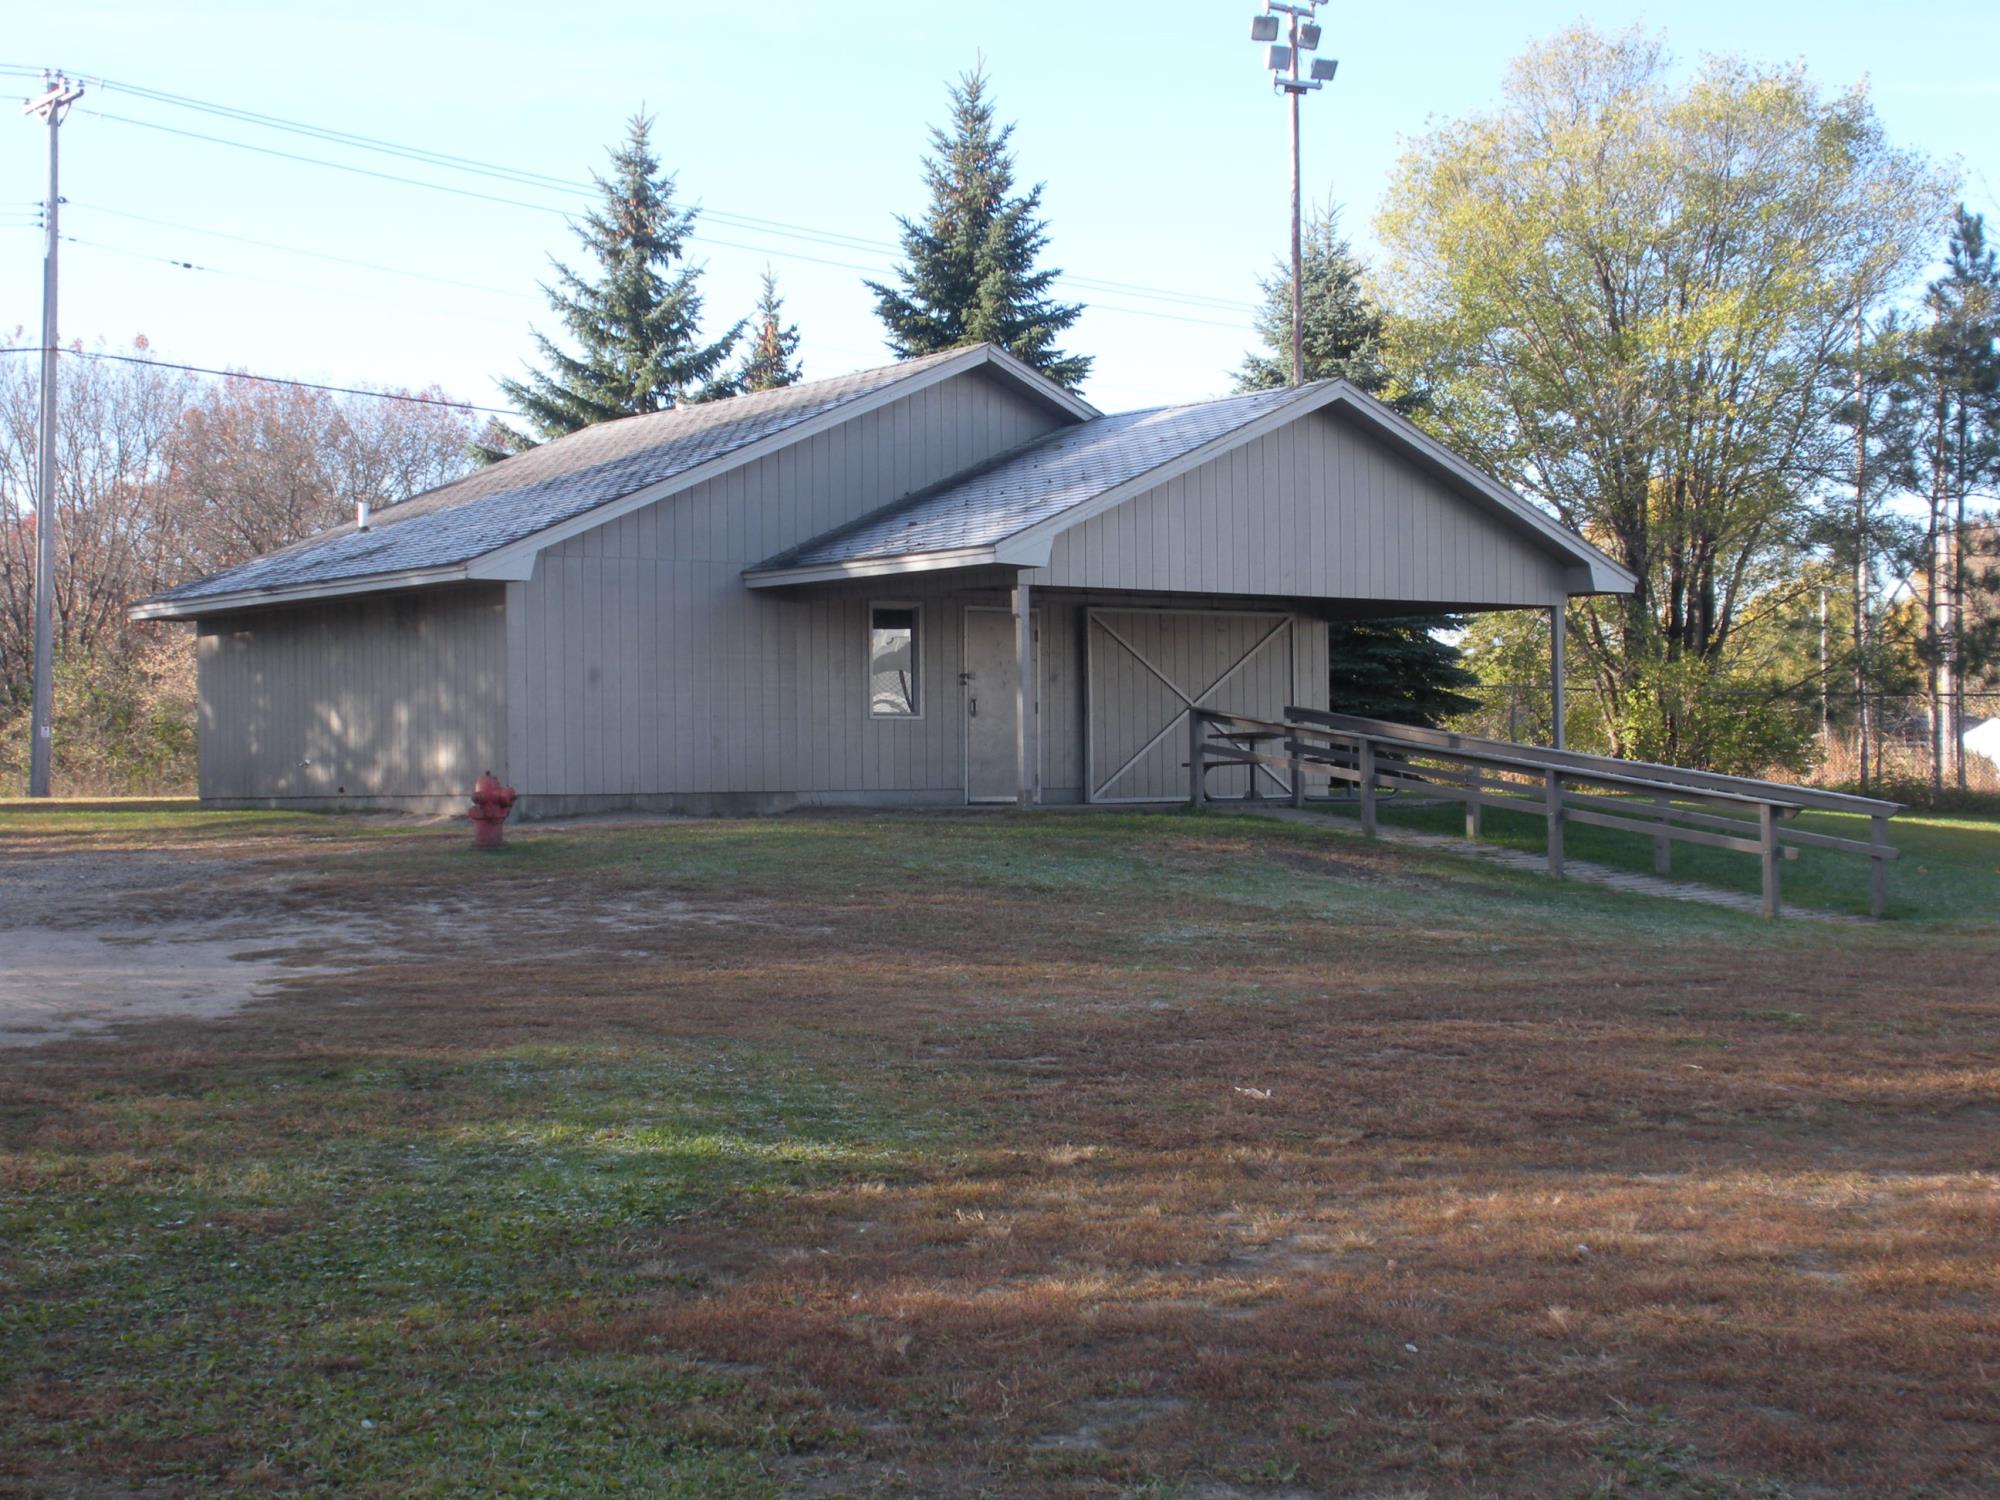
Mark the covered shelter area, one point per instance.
(947, 581)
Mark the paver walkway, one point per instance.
(1535, 864)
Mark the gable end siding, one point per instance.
(1243, 523)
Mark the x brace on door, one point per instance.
(1199, 700)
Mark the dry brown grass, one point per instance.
(1226, 1195)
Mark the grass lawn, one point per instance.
(1102, 1155)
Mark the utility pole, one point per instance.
(1283, 61)
(1864, 561)
(54, 103)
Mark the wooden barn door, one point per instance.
(1147, 667)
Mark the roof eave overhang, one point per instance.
(1600, 576)
(215, 604)
(854, 570)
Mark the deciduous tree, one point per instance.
(1627, 296)
(160, 478)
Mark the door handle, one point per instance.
(973, 710)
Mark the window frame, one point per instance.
(918, 630)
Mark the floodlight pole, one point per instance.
(1302, 37)
(51, 106)
(1298, 254)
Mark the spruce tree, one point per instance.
(969, 273)
(635, 318)
(1343, 328)
(772, 360)
(1398, 669)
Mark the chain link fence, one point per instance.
(1900, 741)
(1901, 745)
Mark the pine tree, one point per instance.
(969, 273)
(772, 360)
(1861, 531)
(1398, 669)
(1956, 405)
(1343, 328)
(636, 322)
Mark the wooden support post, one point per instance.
(1878, 866)
(1197, 785)
(1552, 799)
(1472, 807)
(1296, 767)
(1366, 759)
(1769, 855)
(1663, 846)
(1558, 702)
(1027, 759)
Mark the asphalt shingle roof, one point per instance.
(1033, 483)
(544, 487)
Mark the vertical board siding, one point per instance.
(1146, 665)
(1316, 509)
(657, 672)
(634, 661)
(382, 695)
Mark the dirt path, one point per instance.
(89, 940)
(61, 983)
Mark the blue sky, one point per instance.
(1161, 145)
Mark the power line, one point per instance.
(164, 260)
(534, 181)
(293, 286)
(542, 179)
(320, 161)
(308, 385)
(547, 181)
(339, 260)
(698, 238)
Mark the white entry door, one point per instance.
(989, 698)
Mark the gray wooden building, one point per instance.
(945, 581)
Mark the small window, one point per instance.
(894, 683)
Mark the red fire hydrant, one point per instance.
(491, 802)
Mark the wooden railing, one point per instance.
(1668, 804)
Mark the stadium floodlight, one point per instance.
(1283, 60)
